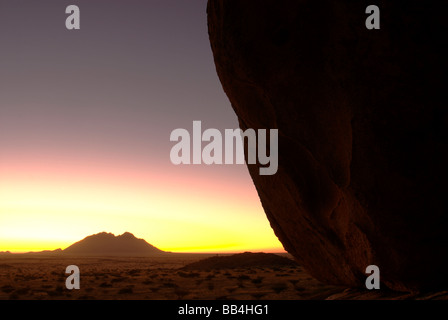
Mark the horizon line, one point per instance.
(267, 250)
(254, 250)
(221, 250)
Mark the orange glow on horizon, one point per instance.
(46, 207)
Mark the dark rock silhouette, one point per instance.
(241, 260)
(362, 120)
(107, 244)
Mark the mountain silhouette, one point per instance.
(107, 244)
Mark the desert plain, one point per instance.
(170, 277)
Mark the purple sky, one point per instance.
(134, 72)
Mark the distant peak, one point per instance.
(127, 235)
(103, 234)
(109, 234)
(105, 243)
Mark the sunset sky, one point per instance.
(85, 123)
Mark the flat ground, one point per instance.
(161, 278)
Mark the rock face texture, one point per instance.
(362, 120)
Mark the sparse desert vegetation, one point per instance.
(177, 276)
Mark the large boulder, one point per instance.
(362, 120)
